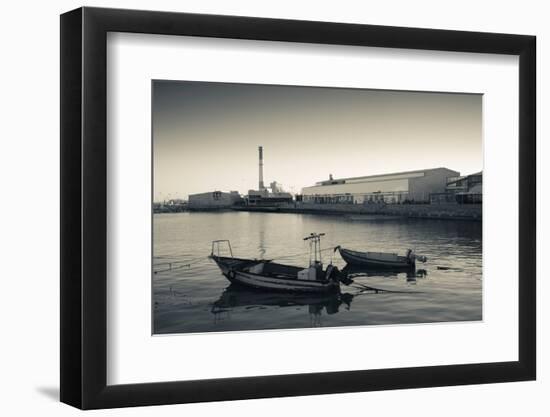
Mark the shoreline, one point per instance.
(468, 212)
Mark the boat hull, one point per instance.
(281, 284)
(365, 260)
(232, 269)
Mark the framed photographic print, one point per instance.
(257, 207)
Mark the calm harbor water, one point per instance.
(191, 294)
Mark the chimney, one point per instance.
(261, 155)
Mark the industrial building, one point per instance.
(399, 187)
(214, 200)
(266, 196)
(466, 189)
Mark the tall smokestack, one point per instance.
(261, 155)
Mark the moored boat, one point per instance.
(380, 259)
(268, 275)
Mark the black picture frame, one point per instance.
(84, 207)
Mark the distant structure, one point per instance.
(400, 187)
(263, 196)
(261, 166)
(467, 189)
(214, 200)
(171, 206)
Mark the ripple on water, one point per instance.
(197, 298)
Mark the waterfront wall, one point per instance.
(437, 211)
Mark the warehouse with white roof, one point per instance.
(399, 187)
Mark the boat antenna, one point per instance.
(315, 244)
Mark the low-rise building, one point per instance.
(214, 200)
(399, 187)
(466, 189)
(272, 196)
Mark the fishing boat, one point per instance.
(380, 259)
(268, 275)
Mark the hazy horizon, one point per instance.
(206, 135)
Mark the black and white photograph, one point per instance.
(271, 209)
(292, 207)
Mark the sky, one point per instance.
(206, 135)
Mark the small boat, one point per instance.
(268, 275)
(380, 259)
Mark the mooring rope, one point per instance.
(179, 264)
(176, 261)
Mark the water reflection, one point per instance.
(351, 272)
(350, 275)
(237, 296)
(261, 237)
(187, 299)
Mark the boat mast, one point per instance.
(315, 248)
